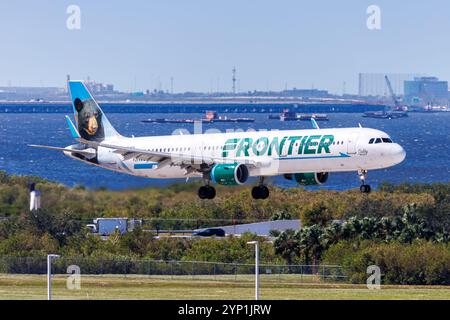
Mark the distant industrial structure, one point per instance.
(422, 91)
(409, 89)
(374, 84)
(233, 79)
(98, 87)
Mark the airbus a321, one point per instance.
(304, 156)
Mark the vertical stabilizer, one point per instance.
(92, 123)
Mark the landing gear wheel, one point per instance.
(206, 192)
(365, 188)
(211, 192)
(260, 192)
(255, 192)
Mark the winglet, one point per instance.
(314, 123)
(73, 129)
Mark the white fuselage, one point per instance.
(275, 152)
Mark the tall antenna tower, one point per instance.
(234, 80)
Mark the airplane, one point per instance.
(306, 157)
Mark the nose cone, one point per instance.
(398, 153)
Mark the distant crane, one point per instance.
(397, 105)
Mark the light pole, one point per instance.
(256, 243)
(49, 274)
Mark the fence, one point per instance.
(189, 270)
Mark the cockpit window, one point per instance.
(371, 140)
(386, 140)
(378, 140)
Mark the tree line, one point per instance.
(407, 223)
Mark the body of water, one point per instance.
(425, 137)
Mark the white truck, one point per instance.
(108, 226)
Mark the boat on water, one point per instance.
(165, 120)
(210, 117)
(213, 116)
(315, 116)
(385, 114)
(429, 109)
(287, 115)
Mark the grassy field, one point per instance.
(143, 287)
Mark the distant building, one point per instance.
(374, 84)
(98, 87)
(426, 90)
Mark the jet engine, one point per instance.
(229, 174)
(309, 178)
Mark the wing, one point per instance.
(174, 158)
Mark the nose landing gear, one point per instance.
(364, 188)
(260, 191)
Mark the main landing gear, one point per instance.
(206, 192)
(364, 188)
(260, 191)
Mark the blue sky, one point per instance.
(139, 44)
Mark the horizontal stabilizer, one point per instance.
(73, 129)
(87, 152)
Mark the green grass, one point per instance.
(143, 287)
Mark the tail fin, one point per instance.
(91, 121)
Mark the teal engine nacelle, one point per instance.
(229, 174)
(309, 178)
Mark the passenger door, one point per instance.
(352, 142)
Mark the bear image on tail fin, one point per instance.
(89, 119)
(92, 123)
